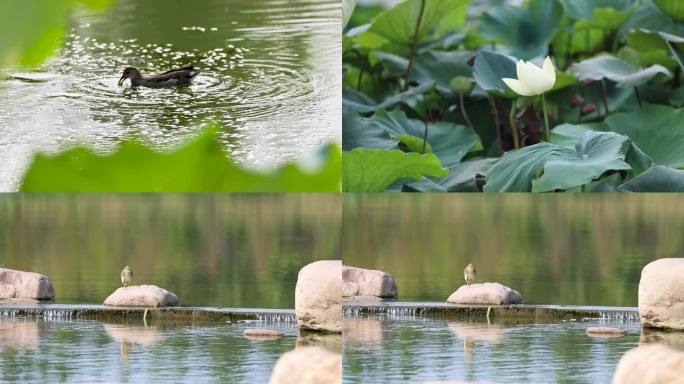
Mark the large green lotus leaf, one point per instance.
(647, 42)
(461, 177)
(605, 19)
(363, 104)
(491, 67)
(560, 167)
(676, 45)
(617, 70)
(648, 16)
(659, 178)
(373, 170)
(658, 130)
(32, 30)
(568, 135)
(600, 27)
(360, 132)
(399, 24)
(677, 97)
(597, 152)
(597, 20)
(672, 8)
(450, 142)
(647, 58)
(584, 9)
(430, 66)
(198, 166)
(527, 31)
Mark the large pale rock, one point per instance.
(367, 282)
(651, 364)
(318, 296)
(485, 294)
(25, 285)
(661, 294)
(308, 365)
(142, 296)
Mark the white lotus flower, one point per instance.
(532, 80)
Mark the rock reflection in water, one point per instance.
(472, 333)
(128, 335)
(362, 332)
(331, 342)
(18, 334)
(669, 338)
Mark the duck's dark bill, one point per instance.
(121, 81)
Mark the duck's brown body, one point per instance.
(180, 76)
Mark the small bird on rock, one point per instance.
(126, 276)
(469, 273)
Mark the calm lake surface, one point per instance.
(217, 250)
(271, 77)
(78, 351)
(554, 249)
(415, 350)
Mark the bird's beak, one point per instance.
(121, 80)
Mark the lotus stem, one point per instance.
(638, 96)
(358, 83)
(514, 127)
(546, 118)
(604, 93)
(497, 124)
(464, 113)
(425, 137)
(414, 46)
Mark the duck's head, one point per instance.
(130, 73)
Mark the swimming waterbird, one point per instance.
(180, 76)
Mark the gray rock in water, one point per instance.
(258, 332)
(485, 294)
(661, 294)
(650, 364)
(318, 296)
(308, 365)
(142, 296)
(25, 285)
(367, 282)
(605, 331)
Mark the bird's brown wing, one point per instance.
(181, 75)
(189, 68)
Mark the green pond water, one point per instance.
(80, 351)
(378, 350)
(218, 250)
(270, 76)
